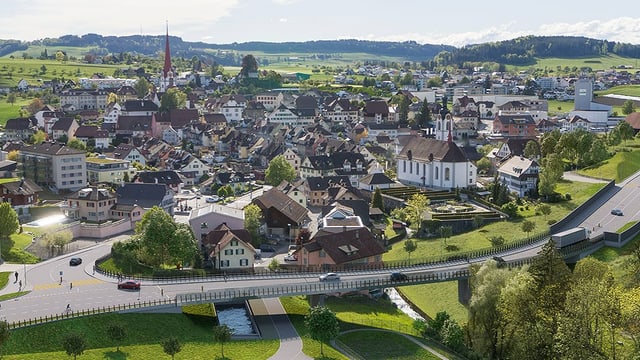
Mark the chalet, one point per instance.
(228, 249)
(351, 247)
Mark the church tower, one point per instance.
(444, 123)
(166, 78)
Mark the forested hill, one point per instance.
(520, 51)
(524, 50)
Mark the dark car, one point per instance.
(129, 285)
(617, 212)
(398, 276)
(75, 261)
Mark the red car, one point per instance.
(129, 284)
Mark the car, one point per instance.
(212, 199)
(398, 276)
(616, 212)
(129, 285)
(290, 257)
(267, 248)
(75, 261)
(330, 277)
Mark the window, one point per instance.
(437, 173)
(239, 251)
(244, 262)
(446, 174)
(322, 254)
(228, 251)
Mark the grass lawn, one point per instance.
(11, 111)
(619, 167)
(144, 333)
(373, 345)
(616, 258)
(432, 298)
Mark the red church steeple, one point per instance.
(167, 56)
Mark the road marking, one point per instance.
(56, 285)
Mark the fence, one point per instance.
(89, 312)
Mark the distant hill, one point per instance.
(519, 51)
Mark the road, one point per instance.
(48, 295)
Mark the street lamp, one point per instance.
(289, 230)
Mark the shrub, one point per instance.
(552, 221)
(567, 196)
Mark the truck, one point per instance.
(570, 236)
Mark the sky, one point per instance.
(227, 21)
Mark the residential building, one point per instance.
(104, 170)
(64, 128)
(520, 175)
(270, 100)
(84, 99)
(20, 129)
(91, 204)
(351, 247)
(54, 165)
(282, 214)
(519, 125)
(92, 135)
(21, 194)
(146, 196)
(228, 249)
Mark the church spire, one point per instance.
(167, 56)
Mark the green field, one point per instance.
(598, 63)
(13, 70)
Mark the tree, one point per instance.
(222, 334)
(376, 199)
(172, 99)
(77, 144)
(545, 209)
(171, 346)
(13, 155)
(417, 204)
(322, 324)
(279, 169)
(74, 345)
(484, 165)
(625, 130)
(532, 149)
(9, 223)
(497, 240)
(528, 226)
(486, 323)
(162, 240)
(34, 106)
(252, 221)
(141, 87)
(445, 233)
(628, 107)
(423, 118)
(549, 142)
(410, 246)
(117, 333)
(403, 110)
(249, 65)
(56, 241)
(125, 177)
(4, 333)
(11, 98)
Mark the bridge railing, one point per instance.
(70, 314)
(304, 270)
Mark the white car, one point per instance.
(329, 277)
(212, 199)
(290, 257)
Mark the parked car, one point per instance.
(290, 257)
(617, 212)
(267, 248)
(129, 285)
(398, 276)
(75, 261)
(329, 277)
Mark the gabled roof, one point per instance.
(63, 124)
(140, 105)
(376, 107)
(144, 195)
(376, 179)
(516, 166)
(168, 177)
(321, 183)
(21, 187)
(92, 193)
(519, 119)
(18, 124)
(426, 150)
(276, 199)
(134, 123)
(346, 246)
(91, 131)
(178, 117)
(634, 120)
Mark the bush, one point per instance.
(567, 196)
(552, 221)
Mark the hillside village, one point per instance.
(342, 146)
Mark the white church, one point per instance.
(436, 163)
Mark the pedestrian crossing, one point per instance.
(65, 284)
